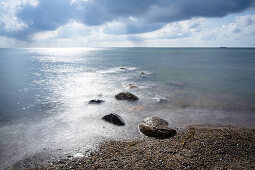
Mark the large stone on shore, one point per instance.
(126, 96)
(156, 127)
(96, 101)
(114, 119)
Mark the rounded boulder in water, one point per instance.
(156, 127)
(126, 96)
(114, 119)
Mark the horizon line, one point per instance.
(223, 47)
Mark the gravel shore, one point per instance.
(195, 147)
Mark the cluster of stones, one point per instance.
(150, 126)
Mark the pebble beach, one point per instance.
(194, 147)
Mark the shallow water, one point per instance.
(44, 93)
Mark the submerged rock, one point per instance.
(114, 119)
(156, 127)
(126, 96)
(177, 84)
(161, 100)
(131, 86)
(96, 101)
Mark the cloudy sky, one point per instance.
(117, 23)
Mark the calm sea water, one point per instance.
(44, 93)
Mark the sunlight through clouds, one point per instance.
(126, 23)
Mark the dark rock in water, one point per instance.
(123, 68)
(142, 73)
(126, 96)
(114, 119)
(156, 127)
(96, 101)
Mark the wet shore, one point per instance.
(194, 147)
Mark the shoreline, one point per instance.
(196, 146)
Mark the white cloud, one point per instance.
(7, 42)
(44, 35)
(241, 26)
(133, 19)
(114, 27)
(198, 33)
(176, 30)
(75, 34)
(8, 10)
(72, 29)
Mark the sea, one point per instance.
(44, 94)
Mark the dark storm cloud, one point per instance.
(154, 14)
(47, 15)
(183, 9)
(97, 12)
(150, 14)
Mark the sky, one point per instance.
(127, 23)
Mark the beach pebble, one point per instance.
(156, 127)
(126, 96)
(114, 119)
